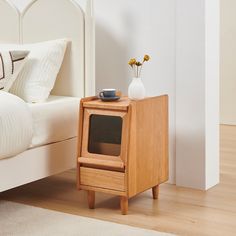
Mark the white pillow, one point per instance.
(11, 63)
(36, 80)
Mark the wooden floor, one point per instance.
(179, 210)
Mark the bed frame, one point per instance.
(46, 20)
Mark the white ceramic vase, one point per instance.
(136, 89)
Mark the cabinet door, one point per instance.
(105, 135)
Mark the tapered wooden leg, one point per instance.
(91, 199)
(155, 192)
(124, 205)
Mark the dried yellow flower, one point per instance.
(146, 58)
(132, 62)
(137, 66)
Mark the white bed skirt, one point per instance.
(38, 163)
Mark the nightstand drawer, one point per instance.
(102, 178)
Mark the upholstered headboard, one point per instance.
(46, 20)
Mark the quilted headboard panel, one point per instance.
(46, 20)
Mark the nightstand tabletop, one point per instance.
(122, 104)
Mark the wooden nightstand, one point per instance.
(123, 148)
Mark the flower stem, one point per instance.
(140, 70)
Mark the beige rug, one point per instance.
(19, 219)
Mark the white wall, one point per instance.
(190, 92)
(197, 93)
(175, 34)
(228, 62)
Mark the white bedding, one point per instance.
(16, 125)
(55, 120)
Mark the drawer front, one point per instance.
(102, 178)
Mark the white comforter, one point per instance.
(16, 125)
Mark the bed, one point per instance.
(53, 147)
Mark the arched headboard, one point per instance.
(44, 20)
